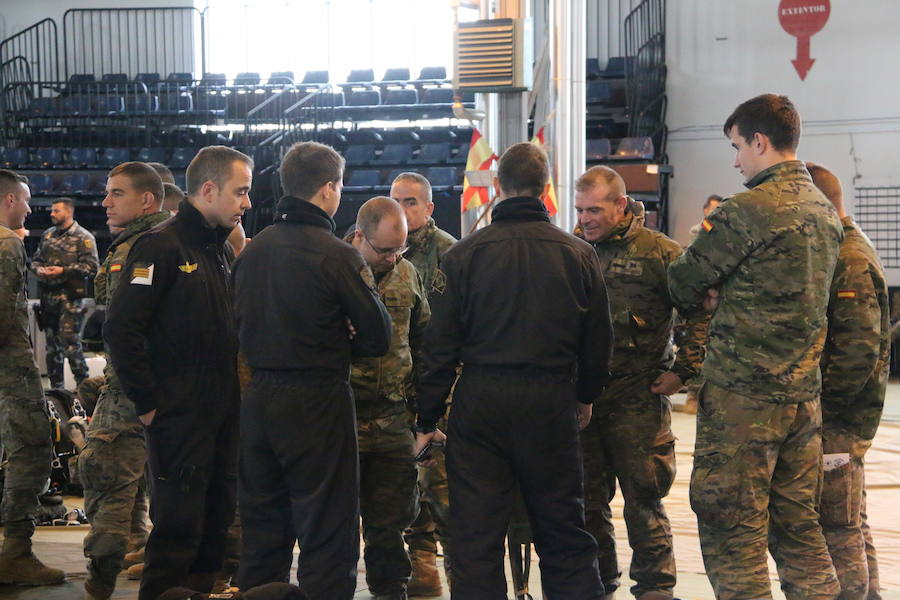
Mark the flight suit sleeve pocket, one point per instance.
(717, 489)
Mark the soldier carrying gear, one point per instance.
(64, 263)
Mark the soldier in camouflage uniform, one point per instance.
(384, 390)
(854, 381)
(427, 243)
(111, 466)
(630, 436)
(24, 418)
(764, 262)
(66, 257)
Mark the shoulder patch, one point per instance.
(142, 274)
(439, 281)
(88, 243)
(846, 293)
(115, 267)
(368, 278)
(706, 225)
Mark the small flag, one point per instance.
(846, 294)
(549, 199)
(706, 225)
(115, 268)
(480, 158)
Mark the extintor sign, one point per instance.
(803, 19)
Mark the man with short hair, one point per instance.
(384, 391)
(854, 381)
(24, 428)
(172, 197)
(111, 464)
(630, 437)
(524, 392)
(164, 172)
(427, 244)
(763, 262)
(298, 290)
(173, 344)
(65, 259)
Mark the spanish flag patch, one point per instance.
(706, 225)
(846, 293)
(115, 268)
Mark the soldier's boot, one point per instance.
(18, 565)
(133, 558)
(135, 572)
(425, 580)
(94, 590)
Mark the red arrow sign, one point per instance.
(803, 19)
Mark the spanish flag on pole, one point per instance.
(549, 198)
(480, 158)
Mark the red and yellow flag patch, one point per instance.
(116, 267)
(706, 225)
(846, 293)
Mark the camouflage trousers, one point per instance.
(25, 436)
(632, 442)
(111, 468)
(755, 485)
(432, 524)
(387, 500)
(842, 514)
(89, 391)
(871, 556)
(62, 327)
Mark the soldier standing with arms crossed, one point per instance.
(764, 261)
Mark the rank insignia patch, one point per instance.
(142, 275)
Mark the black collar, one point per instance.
(197, 230)
(520, 208)
(296, 210)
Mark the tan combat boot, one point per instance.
(97, 591)
(18, 565)
(425, 580)
(135, 572)
(133, 558)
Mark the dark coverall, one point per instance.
(172, 340)
(296, 286)
(523, 306)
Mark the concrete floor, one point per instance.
(61, 547)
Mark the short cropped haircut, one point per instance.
(10, 180)
(712, 198)
(828, 183)
(600, 175)
(771, 115)
(164, 172)
(213, 163)
(374, 210)
(307, 166)
(523, 170)
(173, 196)
(142, 177)
(64, 200)
(411, 177)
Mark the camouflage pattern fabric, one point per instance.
(754, 487)
(111, 466)
(854, 382)
(426, 246)
(630, 437)
(89, 391)
(24, 417)
(771, 252)
(74, 249)
(383, 389)
(871, 555)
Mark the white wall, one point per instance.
(722, 53)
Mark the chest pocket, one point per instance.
(627, 267)
(399, 304)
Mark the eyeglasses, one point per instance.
(386, 251)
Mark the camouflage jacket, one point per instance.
(15, 341)
(426, 246)
(771, 253)
(74, 249)
(382, 386)
(857, 349)
(635, 260)
(110, 273)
